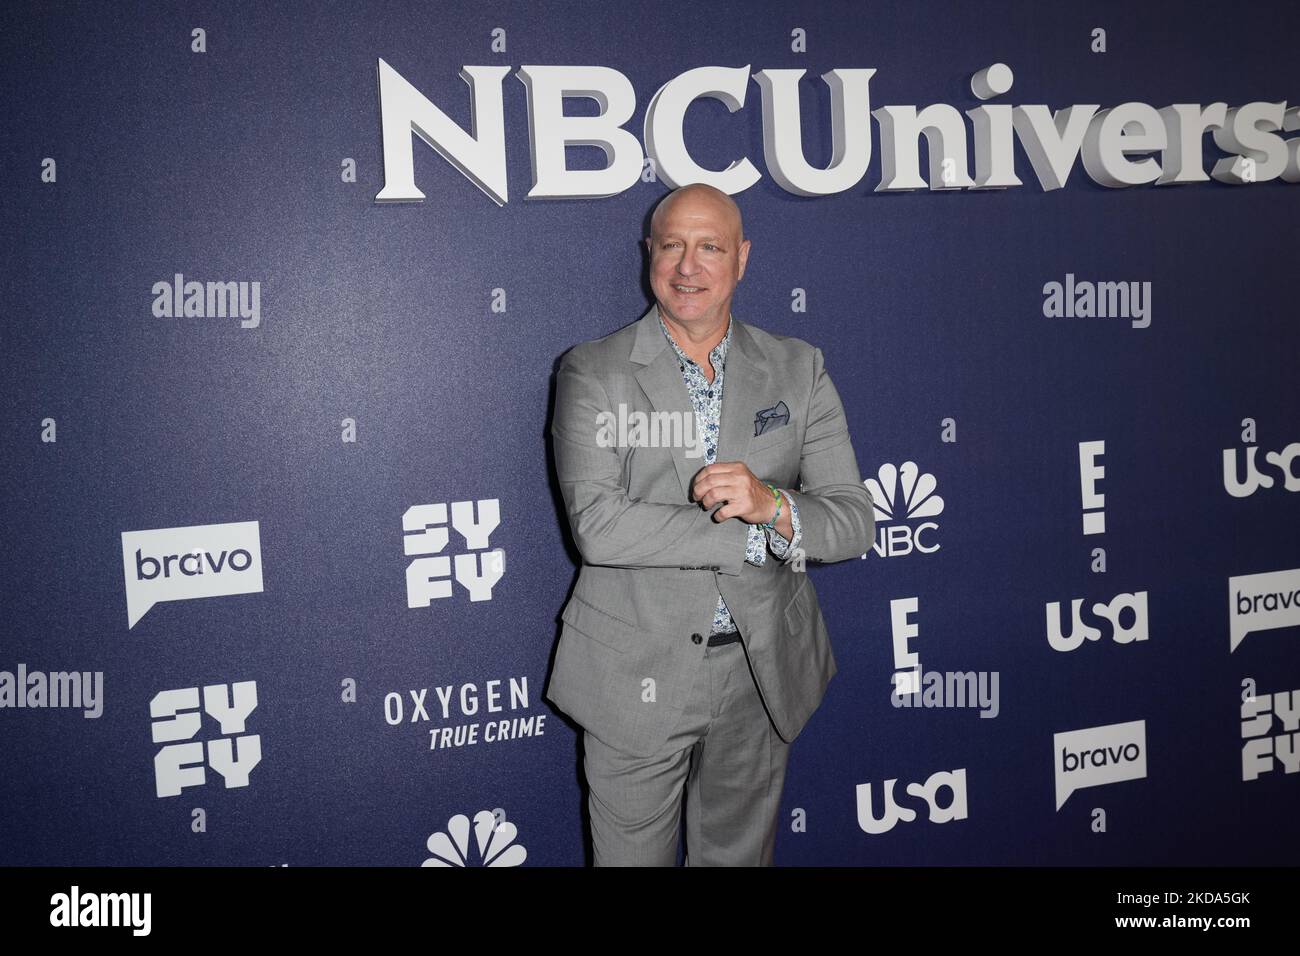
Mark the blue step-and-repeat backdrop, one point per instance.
(285, 291)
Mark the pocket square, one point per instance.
(772, 418)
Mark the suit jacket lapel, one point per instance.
(744, 392)
(661, 380)
(744, 386)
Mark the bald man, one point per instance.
(693, 649)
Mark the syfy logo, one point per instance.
(910, 501)
(1094, 519)
(1262, 602)
(1243, 487)
(176, 717)
(1097, 756)
(928, 792)
(178, 564)
(1262, 745)
(1135, 630)
(426, 578)
(1052, 140)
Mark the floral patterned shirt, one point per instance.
(706, 396)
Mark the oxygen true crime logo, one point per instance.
(466, 714)
(179, 564)
(1115, 144)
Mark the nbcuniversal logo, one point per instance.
(903, 497)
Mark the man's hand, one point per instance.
(733, 485)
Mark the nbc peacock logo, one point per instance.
(494, 842)
(904, 497)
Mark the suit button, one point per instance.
(696, 638)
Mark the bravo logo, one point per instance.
(902, 498)
(177, 564)
(1099, 755)
(1262, 602)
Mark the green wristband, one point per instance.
(776, 493)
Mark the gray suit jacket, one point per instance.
(653, 561)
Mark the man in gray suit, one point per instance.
(693, 652)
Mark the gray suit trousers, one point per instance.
(724, 756)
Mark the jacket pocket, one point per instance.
(801, 605)
(772, 439)
(598, 624)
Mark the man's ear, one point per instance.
(744, 258)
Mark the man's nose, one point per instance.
(686, 264)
